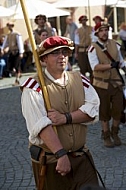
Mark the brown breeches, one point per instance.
(81, 173)
(111, 103)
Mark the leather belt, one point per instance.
(76, 153)
(36, 152)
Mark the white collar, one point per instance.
(56, 80)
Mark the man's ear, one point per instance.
(42, 58)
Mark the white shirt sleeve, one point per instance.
(92, 102)
(20, 43)
(121, 59)
(5, 43)
(77, 40)
(93, 59)
(34, 113)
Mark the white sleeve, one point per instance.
(5, 43)
(20, 43)
(93, 59)
(121, 59)
(77, 40)
(34, 113)
(92, 102)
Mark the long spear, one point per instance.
(37, 62)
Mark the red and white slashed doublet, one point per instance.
(91, 48)
(33, 84)
(85, 81)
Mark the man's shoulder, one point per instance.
(31, 83)
(91, 47)
(79, 76)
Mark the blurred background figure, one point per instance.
(14, 42)
(26, 62)
(71, 27)
(43, 34)
(41, 22)
(82, 42)
(122, 36)
(96, 20)
(3, 58)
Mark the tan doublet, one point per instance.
(103, 78)
(84, 37)
(65, 99)
(12, 41)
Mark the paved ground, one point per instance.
(15, 165)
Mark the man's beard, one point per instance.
(103, 39)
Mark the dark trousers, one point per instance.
(14, 62)
(82, 173)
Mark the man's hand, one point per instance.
(56, 117)
(63, 165)
(21, 55)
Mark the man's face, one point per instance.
(103, 34)
(83, 21)
(97, 20)
(41, 22)
(56, 61)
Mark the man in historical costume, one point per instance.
(82, 42)
(58, 135)
(105, 60)
(41, 20)
(14, 42)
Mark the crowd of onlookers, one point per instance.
(16, 56)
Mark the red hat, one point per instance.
(100, 25)
(98, 17)
(83, 17)
(52, 43)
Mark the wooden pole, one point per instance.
(37, 62)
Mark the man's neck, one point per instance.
(55, 76)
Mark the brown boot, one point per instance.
(114, 134)
(107, 140)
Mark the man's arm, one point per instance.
(40, 128)
(94, 61)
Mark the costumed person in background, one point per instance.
(82, 42)
(14, 42)
(3, 58)
(69, 163)
(40, 20)
(105, 59)
(71, 28)
(96, 20)
(122, 36)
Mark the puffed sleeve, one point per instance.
(35, 114)
(92, 102)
